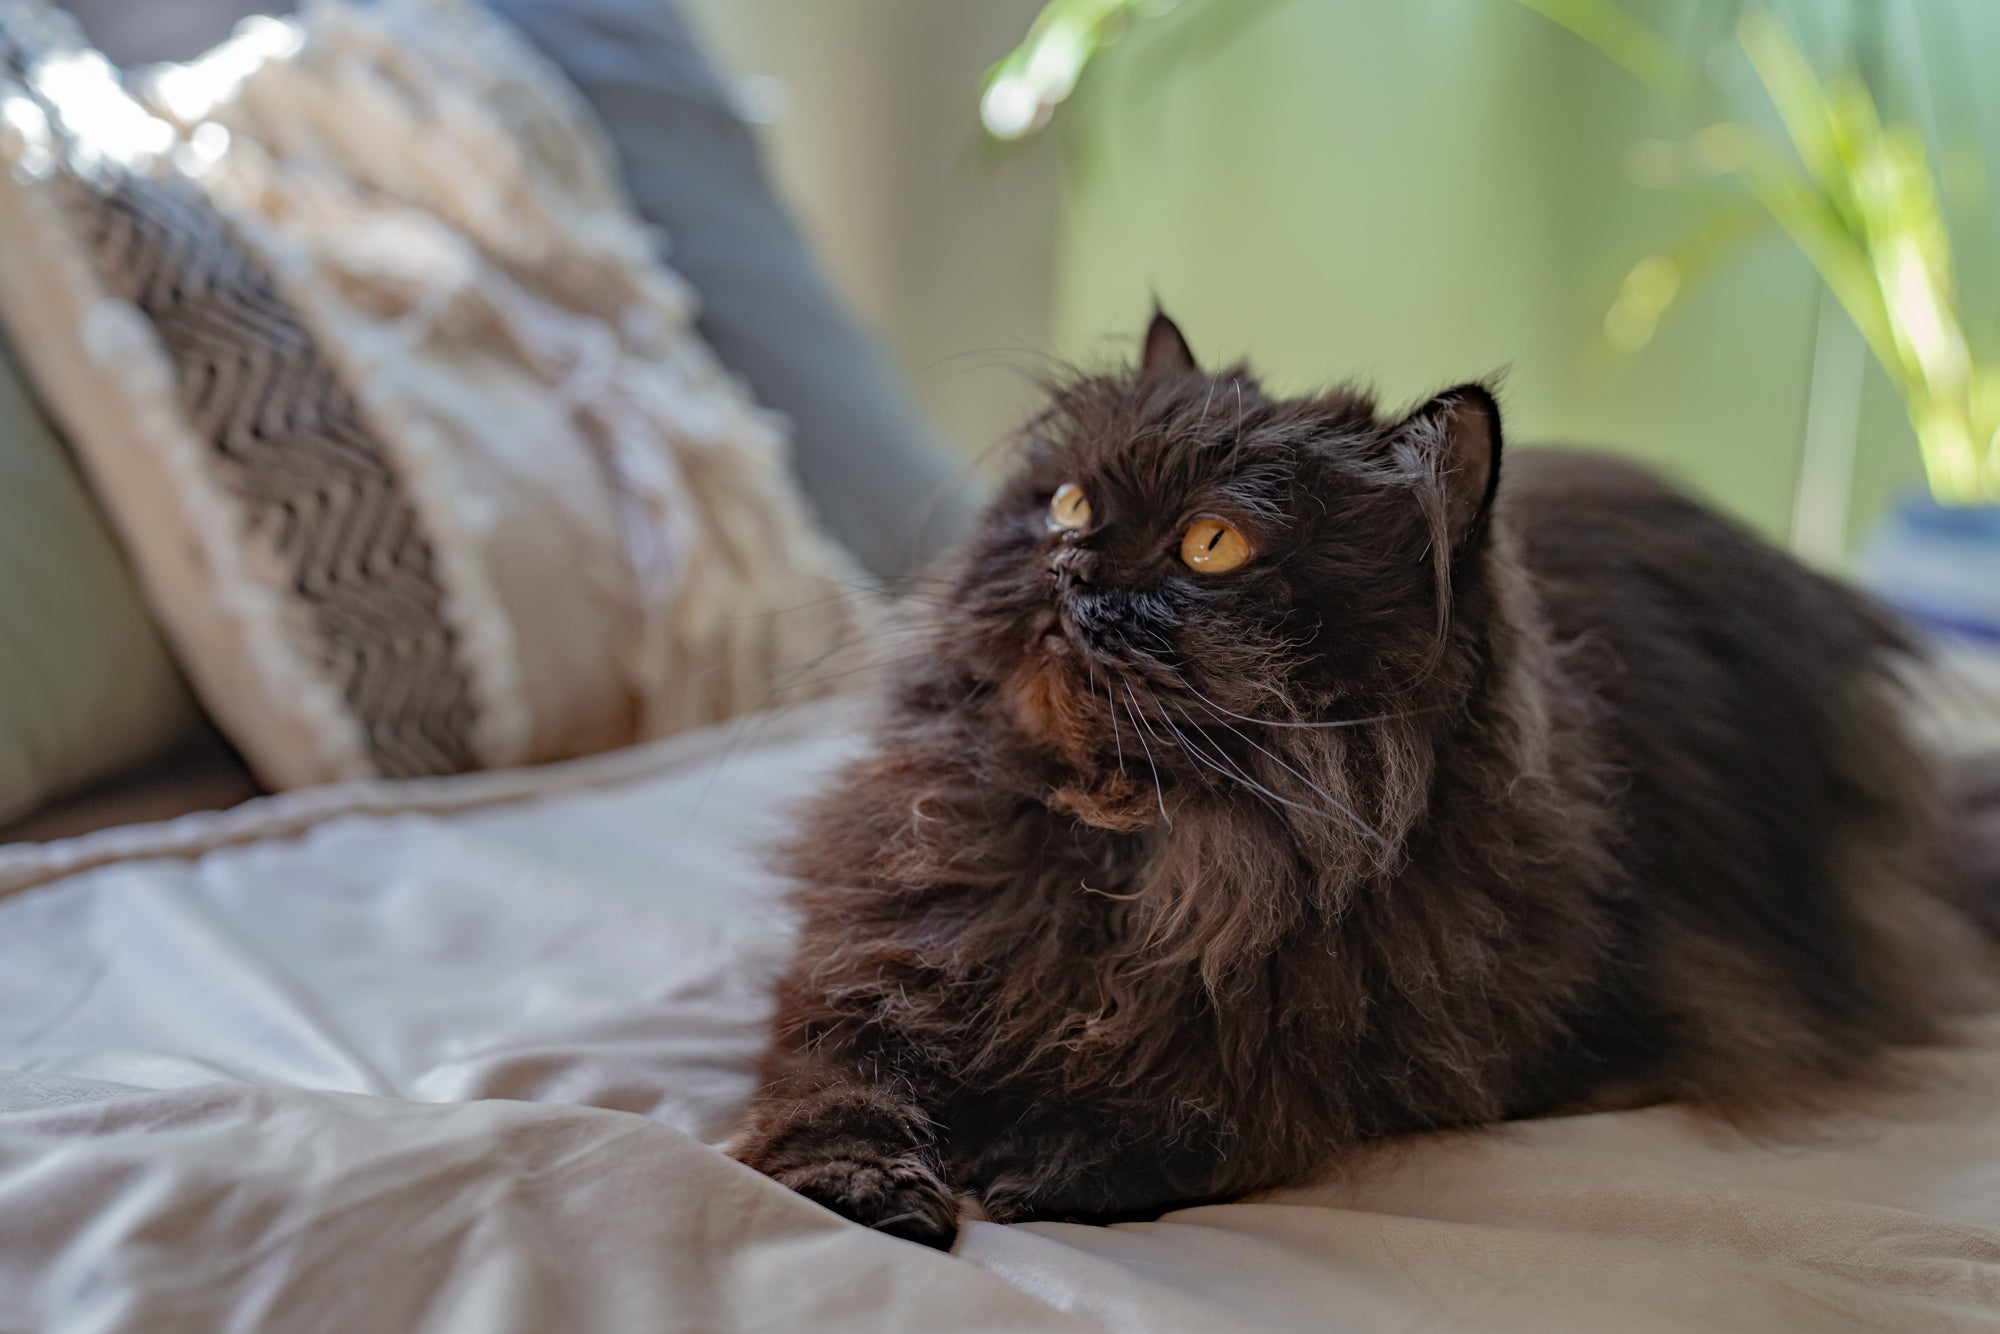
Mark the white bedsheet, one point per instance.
(459, 1068)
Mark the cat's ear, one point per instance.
(1167, 352)
(1457, 438)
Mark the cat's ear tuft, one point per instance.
(1167, 352)
(1457, 434)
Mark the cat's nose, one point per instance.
(1070, 567)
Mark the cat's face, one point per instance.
(1183, 552)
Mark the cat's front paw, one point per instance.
(897, 1195)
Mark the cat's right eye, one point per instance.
(1070, 509)
(1211, 546)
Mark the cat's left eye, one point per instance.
(1071, 508)
(1211, 546)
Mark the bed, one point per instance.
(456, 1054)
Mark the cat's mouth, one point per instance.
(1054, 705)
(1053, 633)
(1052, 701)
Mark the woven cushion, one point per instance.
(883, 485)
(420, 459)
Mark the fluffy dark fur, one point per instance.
(1462, 799)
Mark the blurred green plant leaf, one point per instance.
(1653, 284)
(1021, 92)
(1861, 201)
(1628, 43)
(1024, 89)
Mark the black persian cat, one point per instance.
(1280, 777)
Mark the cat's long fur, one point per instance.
(1465, 798)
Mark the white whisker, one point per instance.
(1360, 825)
(1115, 736)
(1158, 790)
(1235, 773)
(1273, 722)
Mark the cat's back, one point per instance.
(1731, 676)
(1774, 813)
(1669, 585)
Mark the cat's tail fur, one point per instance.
(1955, 714)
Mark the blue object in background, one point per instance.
(1940, 566)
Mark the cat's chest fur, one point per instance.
(1205, 972)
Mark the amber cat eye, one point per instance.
(1211, 546)
(1071, 508)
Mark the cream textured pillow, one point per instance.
(415, 448)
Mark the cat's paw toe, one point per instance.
(894, 1195)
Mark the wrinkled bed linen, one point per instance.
(326, 1064)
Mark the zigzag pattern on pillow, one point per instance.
(315, 486)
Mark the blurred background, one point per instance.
(1750, 242)
(1409, 194)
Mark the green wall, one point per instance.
(1425, 191)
